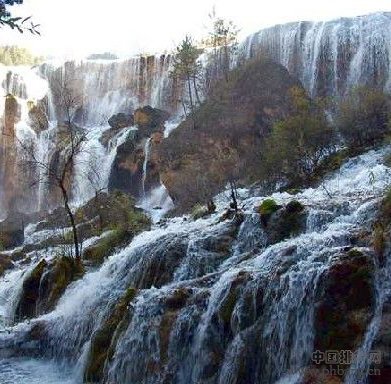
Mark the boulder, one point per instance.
(44, 285)
(121, 120)
(127, 171)
(27, 305)
(38, 118)
(280, 223)
(347, 302)
(12, 231)
(149, 120)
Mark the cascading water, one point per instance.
(147, 149)
(215, 303)
(330, 58)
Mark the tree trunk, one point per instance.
(196, 91)
(234, 195)
(191, 101)
(71, 220)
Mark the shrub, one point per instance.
(298, 144)
(106, 246)
(199, 211)
(268, 207)
(363, 118)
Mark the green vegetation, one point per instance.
(104, 340)
(298, 144)
(105, 246)
(13, 55)
(364, 117)
(268, 207)
(187, 71)
(116, 213)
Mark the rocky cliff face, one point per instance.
(328, 58)
(134, 170)
(197, 161)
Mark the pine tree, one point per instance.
(187, 70)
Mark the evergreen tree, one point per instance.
(187, 70)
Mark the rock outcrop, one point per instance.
(38, 118)
(128, 173)
(121, 120)
(225, 141)
(45, 284)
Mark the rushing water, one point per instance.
(330, 57)
(271, 327)
(270, 290)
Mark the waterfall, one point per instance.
(330, 58)
(215, 301)
(147, 148)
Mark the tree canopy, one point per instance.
(13, 55)
(20, 24)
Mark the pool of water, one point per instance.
(31, 371)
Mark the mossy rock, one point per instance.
(114, 211)
(268, 207)
(98, 252)
(5, 264)
(228, 304)
(60, 274)
(288, 221)
(347, 303)
(45, 285)
(104, 340)
(26, 307)
(199, 211)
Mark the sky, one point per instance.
(74, 28)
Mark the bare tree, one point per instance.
(70, 144)
(59, 175)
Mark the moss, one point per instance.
(5, 263)
(64, 271)
(102, 347)
(27, 305)
(268, 207)
(199, 211)
(294, 206)
(228, 306)
(106, 246)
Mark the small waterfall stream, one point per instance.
(147, 149)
